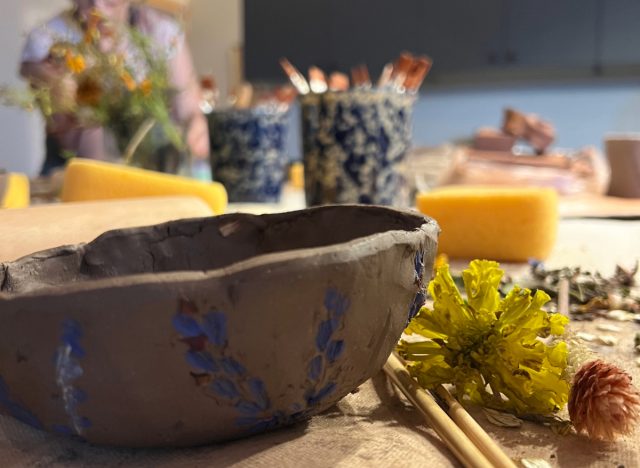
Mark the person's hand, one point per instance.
(197, 136)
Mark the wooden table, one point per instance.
(374, 427)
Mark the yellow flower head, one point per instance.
(75, 62)
(128, 81)
(491, 348)
(146, 87)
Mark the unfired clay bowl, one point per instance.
(208, 329)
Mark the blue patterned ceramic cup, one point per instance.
(354, 144)
(248, 152)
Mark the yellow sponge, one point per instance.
(296, 175)
(507, 224)
(86, 180)
(14, 191)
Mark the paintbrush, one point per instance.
(385, 75)
(418, 73)
(401, 70)
(338, 82)
(317, 80)
(296, 78)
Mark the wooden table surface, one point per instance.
(374, 426)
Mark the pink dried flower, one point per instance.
(603, 402)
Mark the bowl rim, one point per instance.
(360, 247)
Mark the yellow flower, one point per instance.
(128, 81)
(146, 87)
(491, 348)
(75, 62)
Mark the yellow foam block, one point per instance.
(86, 180)
(14, 191)
(506, 224)
(296, 175)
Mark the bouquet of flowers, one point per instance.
(125, 91)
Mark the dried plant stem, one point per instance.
(142, 132)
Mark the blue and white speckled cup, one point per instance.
(248, 152)
(354, 143)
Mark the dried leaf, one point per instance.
(498, 418)
(607, 340)
(588, 337)
(620, 315)
(638, 362)
(535, 463)
(608, 327)
(561, 427)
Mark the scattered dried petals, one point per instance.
(535, 463)
(498, 418)
(608, 327)
(620, 315)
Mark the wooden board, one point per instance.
(41, 227)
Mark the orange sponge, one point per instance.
(14, 191)
(494, 223)
(86, 180)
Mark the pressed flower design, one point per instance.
(226, 379)
(68, 369)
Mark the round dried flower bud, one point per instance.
(603, 401)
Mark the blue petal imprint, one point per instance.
(187, 326)
(15, 409)
(214, 325)
(68, 369)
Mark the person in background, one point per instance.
(63, 134)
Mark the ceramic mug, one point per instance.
(623, 153)
(248, 152)
(354, 145)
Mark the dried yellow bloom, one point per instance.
(491, 348)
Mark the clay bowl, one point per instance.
(204, 330)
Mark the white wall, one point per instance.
(21, 132)
(215, 28)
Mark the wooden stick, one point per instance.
(464, 450)
(563, 297)
(472, 429)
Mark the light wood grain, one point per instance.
(29, 230)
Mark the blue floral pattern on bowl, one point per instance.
(421, 295)
(225, 379)
(354, 144)
(248, 152)
(68, 369)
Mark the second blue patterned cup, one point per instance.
(248, 152)
(354, 145)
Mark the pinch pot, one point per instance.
(209, 329)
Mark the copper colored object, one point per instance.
(418, 73)
(360, 76)
(401, 70)
(538, 133)
(338, 82)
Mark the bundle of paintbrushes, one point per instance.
(404, 76)
(245, 96)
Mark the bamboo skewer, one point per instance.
(464, 450)
(472, 429)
